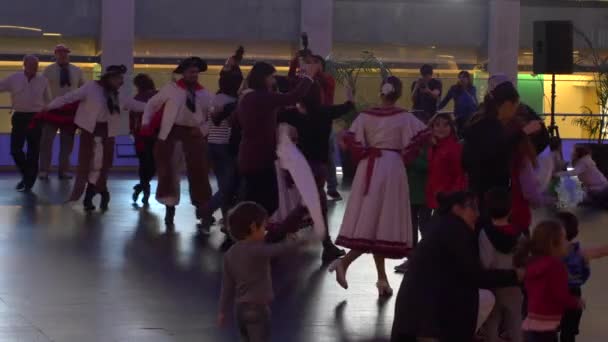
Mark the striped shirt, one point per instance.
(220, 134)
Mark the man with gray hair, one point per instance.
(29, 95)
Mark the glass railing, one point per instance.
(575, 93)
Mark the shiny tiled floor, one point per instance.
(118, 276)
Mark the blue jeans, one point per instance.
(332, 179)
(224, 167)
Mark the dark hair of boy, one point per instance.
(243, 216)
(570, 223)
(498, 203)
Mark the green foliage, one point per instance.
(595, 125)
(347, 73)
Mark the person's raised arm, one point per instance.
(5, 84)
(336, 111)
(435, 93)
(132, 104)
(448, 97)
(154, 104)
(595, 252)
(301, 89)
(71, 97)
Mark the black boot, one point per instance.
(105, 200)
(146, 197)
(88, 198)
(137, 189)
(169, 215)
(330, 252)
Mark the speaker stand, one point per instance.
(553, 129)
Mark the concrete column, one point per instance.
(317, 19)
(503, 37)
(117, 40)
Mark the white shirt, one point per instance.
(92, 108)
(174, 100)
(28, 96)
(52, 73)
(185, 117)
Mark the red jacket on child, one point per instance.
(546, 283)
(445, 169)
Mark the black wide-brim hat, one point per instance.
(113, 70)
(189, 62)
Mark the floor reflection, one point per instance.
(120, 276)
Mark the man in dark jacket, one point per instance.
(439, 295)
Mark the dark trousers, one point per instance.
(421, 215)
(261, 187)
(571, 320)
(224, 167)
(147, 166)
(26, 162)
(253, 321)
(535, 336)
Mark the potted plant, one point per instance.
(347, 73)
(591, 123)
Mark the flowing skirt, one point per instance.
(379, 222)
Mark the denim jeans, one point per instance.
(224, 167)
(253, 321)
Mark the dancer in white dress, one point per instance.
(377, 217)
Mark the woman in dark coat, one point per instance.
(439, 295)
(488, 140)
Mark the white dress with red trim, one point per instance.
(377, 217)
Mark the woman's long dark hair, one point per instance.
(143, 82)
(257, 76)
(504, 92)
(467, 75)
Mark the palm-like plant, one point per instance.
(595, 125)
(347, 74)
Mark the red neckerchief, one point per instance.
(382, 111)
(183, 85)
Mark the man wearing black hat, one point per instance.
(179, 112)
(98, 117)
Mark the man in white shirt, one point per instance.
(29, 95)
(98, 118)
(63, 77)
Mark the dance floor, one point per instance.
(119, 276)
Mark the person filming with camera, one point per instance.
(426, 92)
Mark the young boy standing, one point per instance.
(577, 263)
(246, 278)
